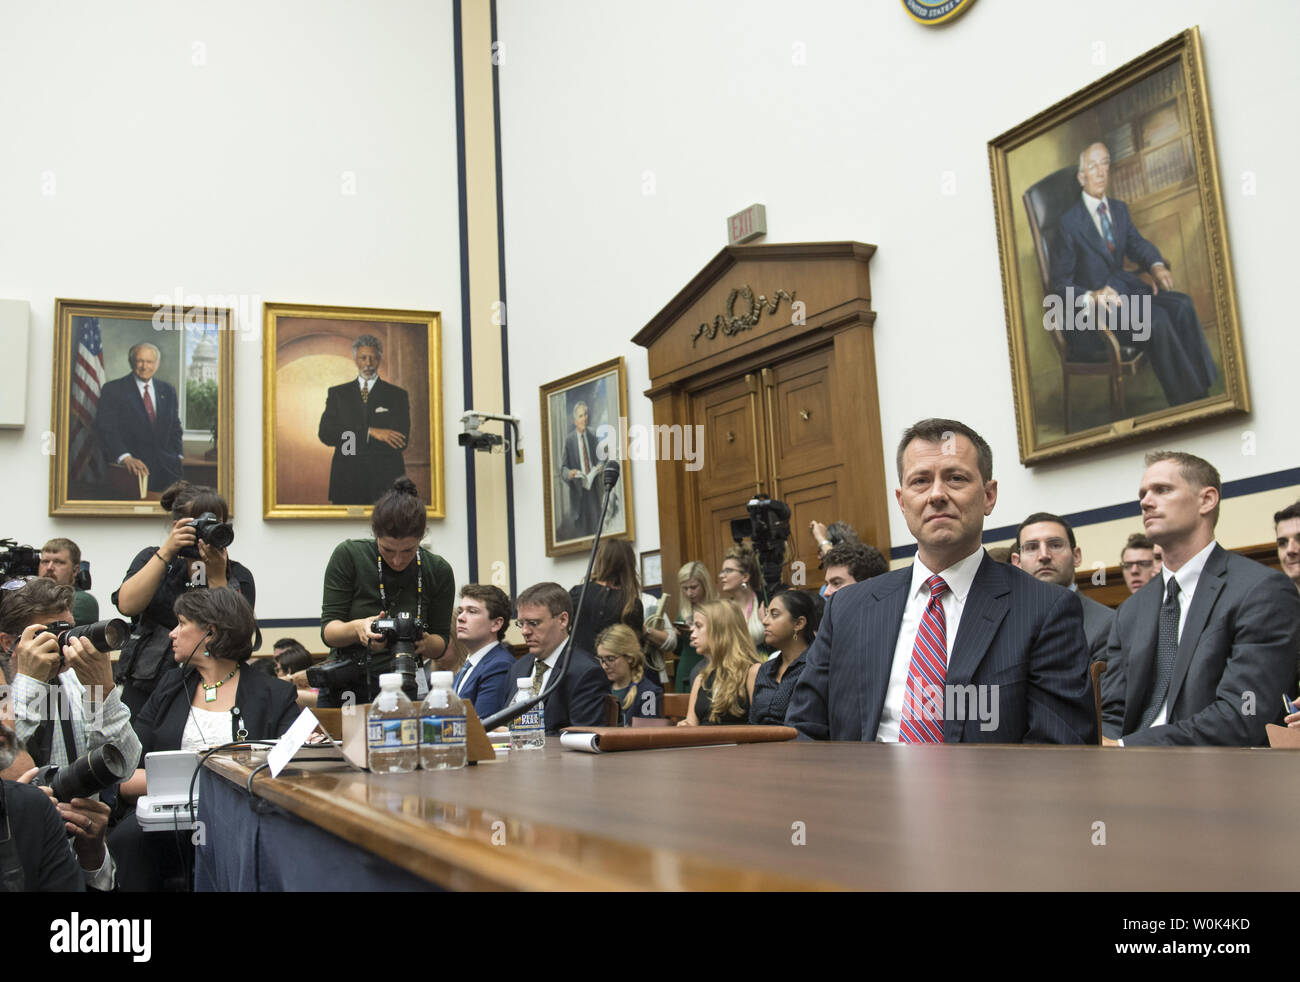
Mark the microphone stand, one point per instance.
(609, 476)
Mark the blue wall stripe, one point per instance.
(467, 351)
(1129, 509)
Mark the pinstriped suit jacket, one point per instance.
(1016, 632)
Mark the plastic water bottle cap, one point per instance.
(441, 680)
(390, 680)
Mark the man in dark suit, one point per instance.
(1045, 548)
(368, 422)
(880, 668)
(579, 458)
(481, 618)
(579, 700)
(1087, 269)
(138, 421)
(1201, 655)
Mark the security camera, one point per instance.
(474, 437)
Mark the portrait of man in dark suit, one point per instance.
(368, 423)
(1096, 237)
(575, 469)
(956, 648)
(137, 421)
(1203, 653)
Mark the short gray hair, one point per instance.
(368, 341)
(1084, 152)
(130, 355)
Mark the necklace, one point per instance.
(419, 586)
(210, 691)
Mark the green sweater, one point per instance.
(352, 587)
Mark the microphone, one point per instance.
(609, 474)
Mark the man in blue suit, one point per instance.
(138, 421)
(484, 678)
(956, 648)
(1095, 236)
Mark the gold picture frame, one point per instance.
(308, 370)
(107, 457)
(570, 508)
(1084, 376)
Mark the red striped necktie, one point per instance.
(922, 716)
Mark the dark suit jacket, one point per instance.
(360, 477)
(267, 707)
(1237, 656)
(1097, 622)
(1016, 632)
(47, 863)
(123, 427)
(584, 502)
(489, 686)
(1083, 261)
(579, 700)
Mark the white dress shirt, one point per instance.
(1188, 575)
(959, 578)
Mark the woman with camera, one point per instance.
(212, 702)
(388, 575)
(191, 557)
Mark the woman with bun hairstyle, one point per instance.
(160, 574)
(387, 575)
(740, 580)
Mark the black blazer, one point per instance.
(47, 863)
(1236, 657)
(123, 427)
(363, 469)
(579, 700)
(266, 706)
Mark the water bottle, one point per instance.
(527, 731)
(442, 726)
(392, 729)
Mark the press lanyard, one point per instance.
(419, 586)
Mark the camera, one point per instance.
(208, 528)
(768, 528)
(88, 775)
(107, 635)
(16, 560)
(359, 670)
(477, 440)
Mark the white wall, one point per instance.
(225, 177)
(853, 145)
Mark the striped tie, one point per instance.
(922, 717)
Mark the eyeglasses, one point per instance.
(18, 582)
(1137, 564)
(607, 660)
(531, 624)
(726, 569)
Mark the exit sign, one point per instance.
(746, 225)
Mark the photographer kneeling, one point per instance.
(388, 575)
(192, 556)
(209, 703)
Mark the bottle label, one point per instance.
(442, 731)
(531, 720)
(392, 734)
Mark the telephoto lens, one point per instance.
(107, 635)
(210, 529)
(87, 775)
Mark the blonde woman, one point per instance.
(695, 584)
(619, 654)
(723, 691)
(739, 581)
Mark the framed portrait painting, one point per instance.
(352, 401)
(1117, 282)
(142, 398)
(581, 416)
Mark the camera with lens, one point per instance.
(16, 560)
(210, 529)
(107, 635)
(359, 670)
(768, 528)
(88, 775)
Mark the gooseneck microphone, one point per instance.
(609, 476)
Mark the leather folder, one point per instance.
(608, 739)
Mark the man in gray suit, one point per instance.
(1202, 654)
(880, 669)
(1045, 548)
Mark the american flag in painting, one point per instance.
(87, 379)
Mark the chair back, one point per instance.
(611, 710)
(677, 705)
(1045, 203)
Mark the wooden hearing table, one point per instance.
(811, 816)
